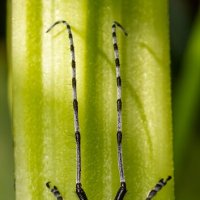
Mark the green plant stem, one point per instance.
(42, 108)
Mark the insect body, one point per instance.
(122, 189)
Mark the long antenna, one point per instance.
(122, 190)
(79, 190)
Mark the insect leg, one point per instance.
(161, 183)
(55, 191)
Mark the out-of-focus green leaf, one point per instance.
(187, 95)
(6, 147)
(186, 104)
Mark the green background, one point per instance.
(185, 69)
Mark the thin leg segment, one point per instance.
(161, 183)
(122, 190)
(79, 190)
(55, 191)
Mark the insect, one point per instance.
(161, 183)
(79, 189)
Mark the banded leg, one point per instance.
(161, 183)
(122, 190)
(79, 190)
(55, 191)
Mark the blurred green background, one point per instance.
(185, 73)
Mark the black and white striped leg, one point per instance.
(161, 183)
(55, 191)
(122, 190)
(79, 190)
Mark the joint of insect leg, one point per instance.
(74, 82)
(119, 83)
(119, 137)
(121, 192)
(80, 192)
(77, 136)
(119, 105)
(75, 105)
(123, 186)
